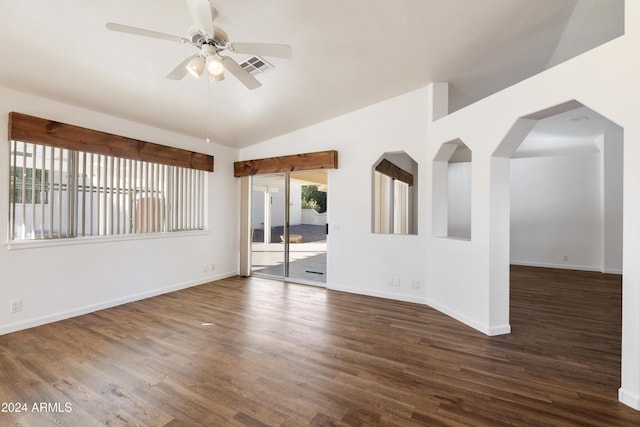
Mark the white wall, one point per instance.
(612, 148)
(57, 280)
(465, 279)
(556, 212)
(605, 80)
(358, 260)
(277, 199)
(459, 200)
(310, 216)
(569, 206)
(295, 203)
(469, 280)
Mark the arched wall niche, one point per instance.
(394, 206)
(452, 177)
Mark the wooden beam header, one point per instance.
(385, 167)
(296, 162)
(48, 132)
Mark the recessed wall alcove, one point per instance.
(394, 207)
(452, 191)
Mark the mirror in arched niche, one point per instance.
(394, 207)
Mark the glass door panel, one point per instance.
(289, 223)
(267, 225)
(308, 227)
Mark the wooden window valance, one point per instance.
(36, 130)
(389, 169)
(297, 162)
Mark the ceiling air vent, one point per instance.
(255, 65)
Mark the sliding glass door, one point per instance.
(288, 226)
(267, 225)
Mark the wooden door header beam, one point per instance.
(391, 170)
(48, 132)
(296, 162)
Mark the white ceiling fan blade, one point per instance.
(263, 49)
(240, 73)
(112, 26)
(201, 14)
(181, 70)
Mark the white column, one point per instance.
(267, 216)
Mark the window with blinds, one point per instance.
(62, 193)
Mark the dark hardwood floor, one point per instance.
(256, 352)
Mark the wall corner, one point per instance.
(438, 93)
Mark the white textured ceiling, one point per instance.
(574, 131)
(346, 55)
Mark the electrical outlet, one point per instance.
(565, 258)
(415, 284)
(396, 282)
(205, 268)
(213, 267)
(15, 306)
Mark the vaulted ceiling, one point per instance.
(346, 55)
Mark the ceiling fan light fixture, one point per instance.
(216, 77)
(214, 66)
(195, 67)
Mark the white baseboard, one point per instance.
(485, 329)
(499, 330)
(565, 266)
(629, 399)
(54, 317)
(550, 265)
(378, 294)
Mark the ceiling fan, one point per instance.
(212, 42)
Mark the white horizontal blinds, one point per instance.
(59, 193)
